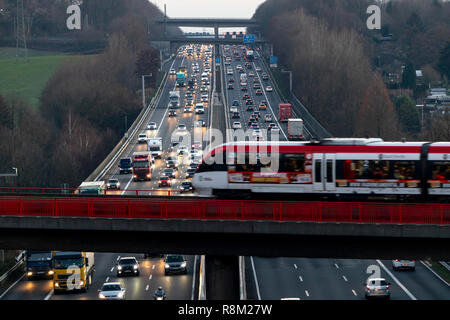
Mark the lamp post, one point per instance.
(290, 79)
(143, 88)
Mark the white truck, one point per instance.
(174, 98)
(92, 187)
(154, 145)
(295, 129)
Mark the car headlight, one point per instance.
(119, 267)
(56, 284)
(135, 267)
(118, 184)
(101, 296)
(183, 265)
(166, 266)
(120, 295)
(51, 272)
(29, 273)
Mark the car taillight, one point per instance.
(396, 260)
(387, 287)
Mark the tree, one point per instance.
(407, 114)
(148, 62)
(444, 61)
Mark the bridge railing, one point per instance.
(108, 192)
(206, 209)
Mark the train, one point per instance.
(347, 168)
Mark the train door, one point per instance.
(324, 172)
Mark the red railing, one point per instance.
(191, 208)
(127, 192)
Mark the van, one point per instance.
(142, 137)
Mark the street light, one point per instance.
(290, 79)
(143, 88)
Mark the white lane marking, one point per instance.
(146, 288)
(345, 279)
(118, 258)
(112, 269)
(307, 293)
(50, 294)
(435, 273)
(125, 190)
(295, 266)
(4, 293)
(337, 267)
(300, 278)
(256, 280)
(150, 278)
(397, 281)
(354, 292)
(194, 277)
(153, 267)
(107, 279)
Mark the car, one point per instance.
(268, 118)
(113, 184)
(257, 133)
(251, 123)
(187, 109)
(125, 165)
(164, 181)
(169, 172)
(254, 126)
(250, 108)
(199, 109)
(256, 80)
(258, 69)
(172, 71)
(233, 109)
(175, 263)
(186, 186)
(265, 76)
(190, 172)
(269, 89)
(182, 150)
(197, 145)
(245, 97)
(236, 115)
(259, 92)
(251, 74)
(256, 86)
(230, 87)
(142, 137)
(398, 264)
(237, 125)
(200, 123)
(271, 125)
(235, 103)
(244, 88)
(257, 114)
(248, 102)
(204, 98)
(181, 127)
(262, 105)
(172, 113)
(152, 126)
(171, 162)
(241, 71)
(127, 265)
(111, 291)
(275, 129)
(231, 80)
(229, 71)
(193, 165)
(377, 287)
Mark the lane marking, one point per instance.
(194, 277)
(337, 267)
(4, 293)
(118, 258)
(307, 293)
(345, 279)
(301, 279)
(434, 273)
(146, 288)
(354, 292)
(256, 280)
(295, 266)
(112, 269)
(107, 279)
(50, 294)
(397, 281)
(150, 278)
(153, 267)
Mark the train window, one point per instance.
(204, 167)
(329, 170)
(318, 170)
(294, 162)
(440, 170)
(376, 169)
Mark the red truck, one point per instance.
(142, 166)
(285, 112)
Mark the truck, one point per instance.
(72, 270)
(174, 98)
(155, 147)
(142, 166)
(181, 79)
(295, 129)
(91, 187)
(183, 69)
(285, 112)
(243, 78)
(250, 55)
(38, 264)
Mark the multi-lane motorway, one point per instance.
(266, 278)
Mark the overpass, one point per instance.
(192, 225)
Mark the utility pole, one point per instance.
(20, 29)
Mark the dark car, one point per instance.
(230, 87)
(236, 115)
(175, 263)
(171, 162)
(125, 166)
(127, 265)
(172, 113)
(190, 172)
(231, 80)
(186, 186)
(169, 172)
(244, 88)
(250, 108)
(245, 97)
(164, 181)
(235, 103)
(248, 101)
(259, 92)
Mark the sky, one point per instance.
(208, 9)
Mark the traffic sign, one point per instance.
(217, 60)
(273, 61)
(249, 38)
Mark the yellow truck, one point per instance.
(73, 270)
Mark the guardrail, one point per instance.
(7, 273)
(198, 208)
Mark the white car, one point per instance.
(142, 138)
(237, 125)
(181, 127)
(230, 71)
(111, 291)
(233, 109)
(258, 69)
(172, 71)
(204, 98)
(268, 118)
(269, 89)
(197, 145)
(152, 126)
(199, 109)
(398, 264)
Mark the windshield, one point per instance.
(141, 164)
(111, 287)
(174, 259)
(39, 256)
(127, 261)
(155, 148)
(125, 162)
(69, 261)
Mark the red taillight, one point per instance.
(396, 260)
(412, 260)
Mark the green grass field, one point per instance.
(26, 80)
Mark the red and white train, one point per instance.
(352, 167)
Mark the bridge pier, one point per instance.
(216, 32)
(222, 277)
